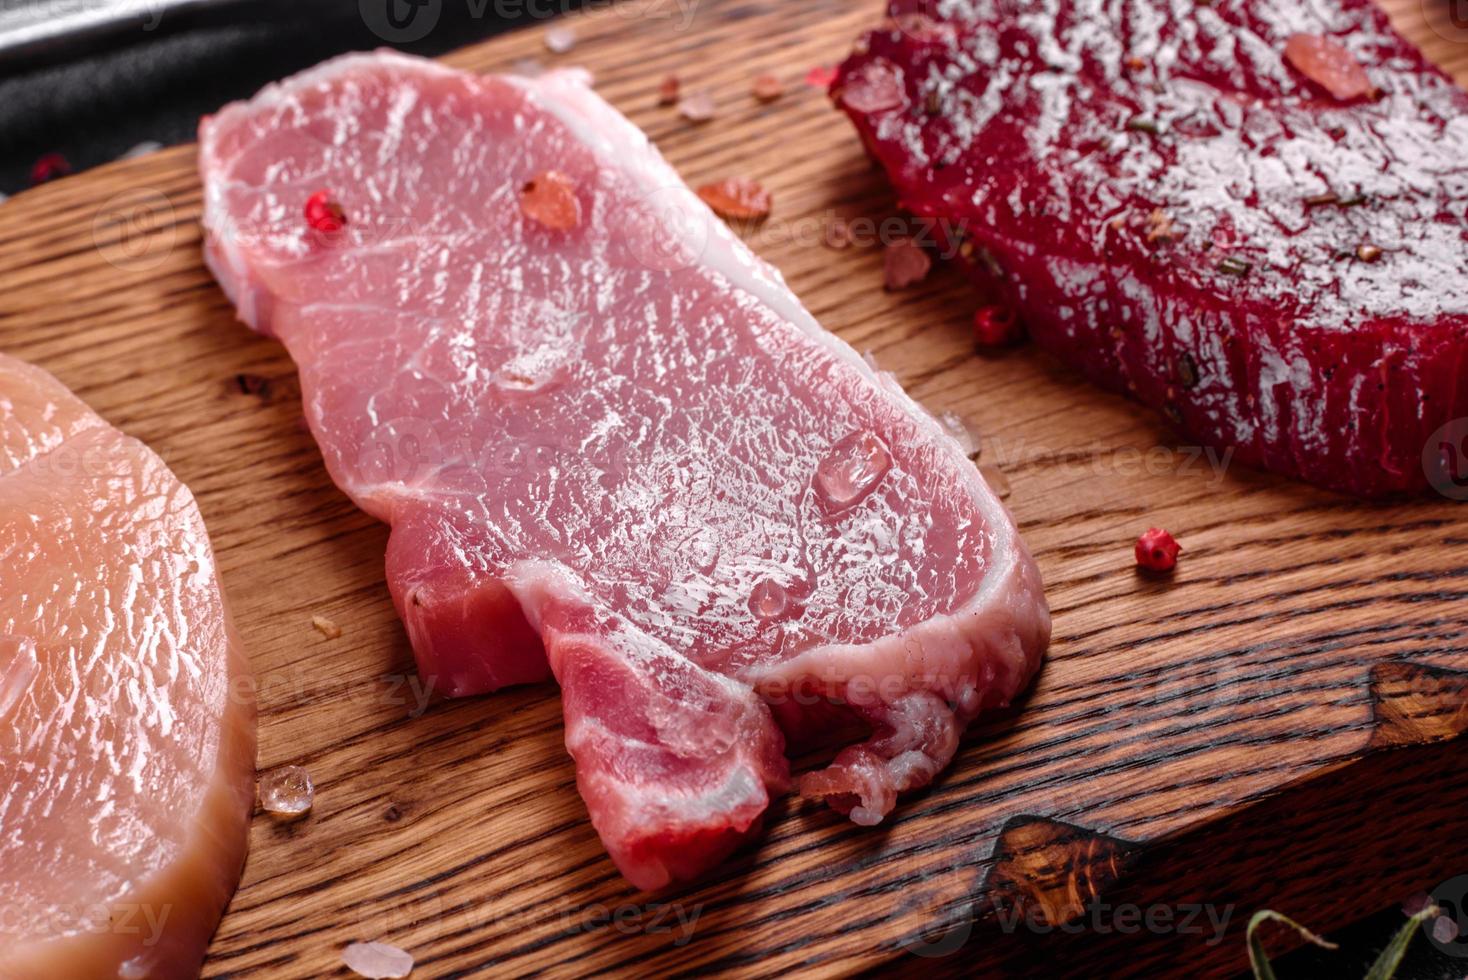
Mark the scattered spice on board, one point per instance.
(1328, 64)
(142, 149)
(838, 233)
(668, 90)
(377, 961)
(767, 87)
(326, 627)
(549, 199)
(560, 39)
(1157, 550)
(697, 107)
(737, 198)
(324, 214)
(49, 167)
(821, 76)
(253, 384)
(287, 791)
(904, 264)
(996, 326)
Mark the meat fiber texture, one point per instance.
(127, 717)
(1179, 213)
(620, 454)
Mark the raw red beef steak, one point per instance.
(1175, 208)
(614, 448)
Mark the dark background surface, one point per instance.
(96, 101)
(1361, 942)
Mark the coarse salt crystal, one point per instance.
(287, 791)
(377, 961)
(560, 39)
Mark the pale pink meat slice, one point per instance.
(127, 722)
(621, 454)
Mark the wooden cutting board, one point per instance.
(1277, 725)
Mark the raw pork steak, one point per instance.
(127, 721)
(615, 449)
(1174, 207)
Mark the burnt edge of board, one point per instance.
(1045, 875)
(1049, 872)
(1413, 704)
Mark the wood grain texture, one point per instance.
(1277, 724)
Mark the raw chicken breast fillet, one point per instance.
(127, 720)
(620, 453)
